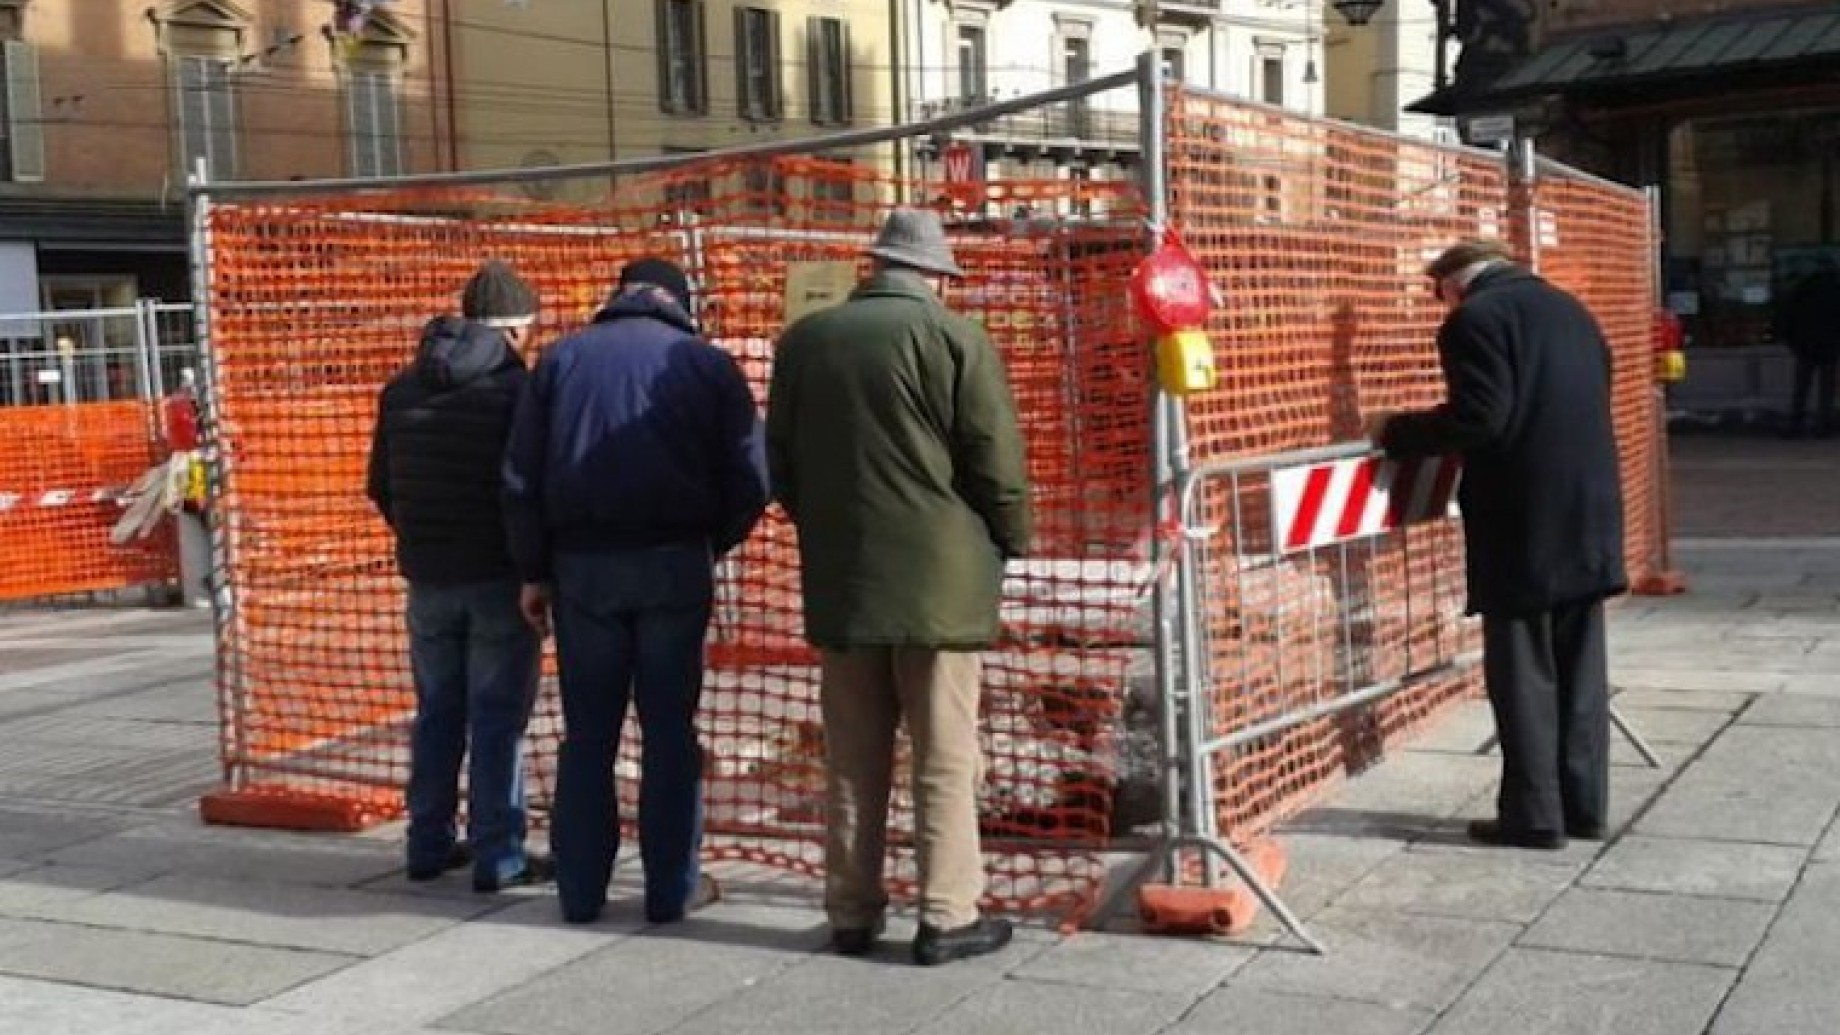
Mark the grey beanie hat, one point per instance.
(497, 297)
(914, 238)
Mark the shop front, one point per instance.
(1734, 114)
(1751, 208)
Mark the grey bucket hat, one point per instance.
(916, 239)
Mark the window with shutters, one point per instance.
(973, 64)
(374, 121)
(22, 131)
(1270, 71)
(1172, 49)
(686, 195)
(757, 64)
(765, 188)
(683, 64)
(833, 191)
(827, 49)
(206, 106)
(1076, 67)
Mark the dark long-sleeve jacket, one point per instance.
(1527, 372)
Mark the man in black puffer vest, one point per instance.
(442, 424)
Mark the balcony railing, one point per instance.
(1067, 123)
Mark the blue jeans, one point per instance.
(475, 662)
(630, 627)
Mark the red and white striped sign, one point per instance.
(55, 498)
(1318, 504)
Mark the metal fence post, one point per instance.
(1187, 770)
(223, 599)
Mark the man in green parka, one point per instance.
(893, 445)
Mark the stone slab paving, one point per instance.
(207, 970)
(1536, 992)
(1236, 1010)
(1791, 986)
(1715, 907)
(1762, 784)
(1677, 928)
(1720, 869)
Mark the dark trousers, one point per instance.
(1814, 377)
(1549, 685)
(630, 628)
(475, 663)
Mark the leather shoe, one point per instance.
(855, 941)
(458, 856)
(1492, 832)
(986, 935)
(537, 869)
(707, 892)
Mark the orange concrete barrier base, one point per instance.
(1228, 909)
(283, 809)
(1661, 584)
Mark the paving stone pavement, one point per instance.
(1715, 906)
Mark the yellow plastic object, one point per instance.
(1670, 367)
(1185, 362)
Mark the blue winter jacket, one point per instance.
(632, 432)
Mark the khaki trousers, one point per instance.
(866, 693)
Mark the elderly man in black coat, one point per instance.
(1527, 371)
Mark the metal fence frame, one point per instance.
(1188, 745)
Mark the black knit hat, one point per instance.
(659, 273)
(498, 297)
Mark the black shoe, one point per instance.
(581, 916)
(1585, 831)
(1491, 832)
(933, 946)
(855, 941)
(707, 892)
(458, 856)
(537, 869)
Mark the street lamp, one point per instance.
(1358, 12)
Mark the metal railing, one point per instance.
(94, 355)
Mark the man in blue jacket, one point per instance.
(434, 475)
(636, 461)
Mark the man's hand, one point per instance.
(1374, 426)
(533, 601)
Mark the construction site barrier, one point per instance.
(1169, 650)
(79, 393)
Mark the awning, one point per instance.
(93, 224)
(1707, 50)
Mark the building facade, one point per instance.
(539, 84)
(108, 106)
(963, 53)
(1731, 108)
(1373, 72)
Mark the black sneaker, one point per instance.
(1491, 832)
(986, 935)
(458, 856)
(538, 869)
(855, 941)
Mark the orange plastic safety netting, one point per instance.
(1317, 234)
(1595, 240)
(61, 479)
(316, 301)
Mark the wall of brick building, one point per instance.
(107, 97)
(1573, 15)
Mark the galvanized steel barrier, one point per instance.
(79, 394)
(1192, 658)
